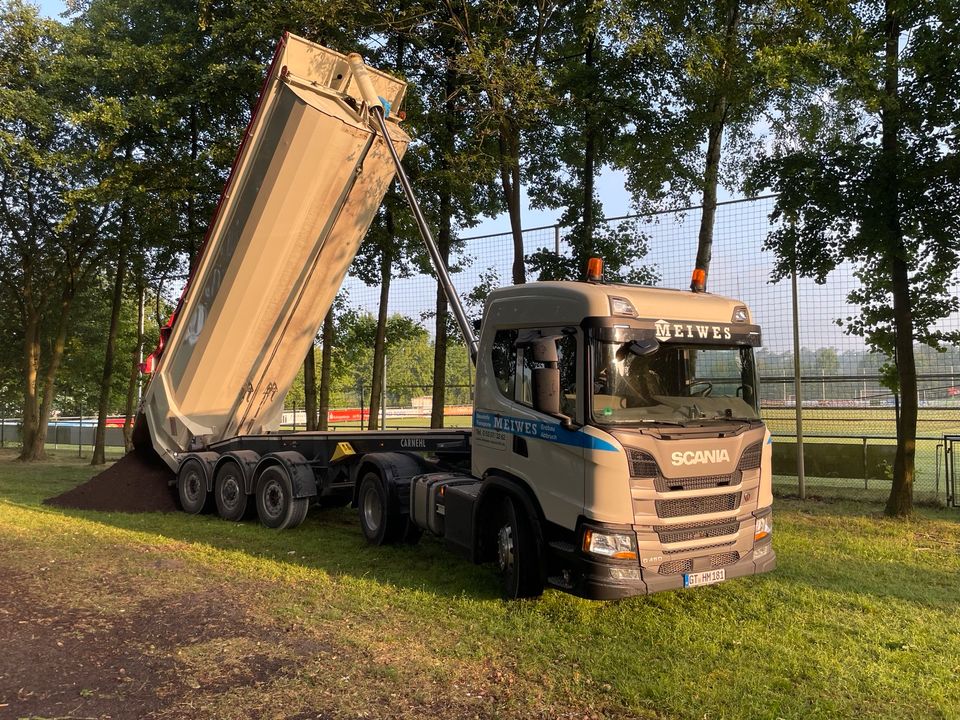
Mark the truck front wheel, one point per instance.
(517, 557)
(276, 506)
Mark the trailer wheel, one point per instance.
(192, 487)
(381, 524)
(276, 506)
(233, 503)
(517, 558)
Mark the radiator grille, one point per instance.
(698, 505)
(643, 464)
(723, 559)
(700, 532)
(702, 482)
(750, 460)
(673, 567)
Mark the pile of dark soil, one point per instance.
(132, 484)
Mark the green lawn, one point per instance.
(859, 621)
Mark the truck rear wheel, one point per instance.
(192, 487)
(276, 506)
(232, 500)
(380, 523)
(517, 558)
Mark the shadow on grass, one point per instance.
(329, 540)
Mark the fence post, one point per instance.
(797, 390)
(80, 435)
(361, 404)
(865, 473)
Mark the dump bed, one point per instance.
(308, 179)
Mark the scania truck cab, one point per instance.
(622, 422)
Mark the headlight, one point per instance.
(764, 527)
(615, 545)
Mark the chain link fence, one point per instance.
(846, 422)
(847, 419)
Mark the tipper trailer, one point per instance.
(616, 446)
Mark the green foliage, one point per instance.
(831, 174)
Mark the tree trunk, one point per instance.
(440, 345)
(718, 118)
(708, 216)
(900, 502)
(103, 405)
(34, 450)
(31, 371)
(509, 143)
(134, 382)
(193, 244)
(326, 360)
(444, 240)
(589, 157)
(379, 346)
(310, 388)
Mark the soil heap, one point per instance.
(132, 484)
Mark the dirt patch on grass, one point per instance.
(132, 484)
(135, 663)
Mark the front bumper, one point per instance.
(593, 579)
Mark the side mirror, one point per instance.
(546, 390)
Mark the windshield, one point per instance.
(648, 382)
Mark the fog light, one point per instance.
(761, 550)
(625, 573)
(615, 545)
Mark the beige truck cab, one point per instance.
(629, 415)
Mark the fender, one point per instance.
(247, 460)
(302, 479)
(396, 469)
(208, 460)
(496, 484)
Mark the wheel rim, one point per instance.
(191, 486)
(230, 492)
(505, 547)
(372, 509)
(273, 499)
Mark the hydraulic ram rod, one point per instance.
(376, 108)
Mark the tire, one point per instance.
(380, 523)
(517, 556)
(192, 487)
(229, 493)
(276, 506)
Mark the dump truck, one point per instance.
(616, 447)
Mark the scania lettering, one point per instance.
(699, 457)
(616, 446)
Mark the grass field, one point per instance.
(193, 617)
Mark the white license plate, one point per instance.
(704, 578)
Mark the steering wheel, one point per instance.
(704, 391)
